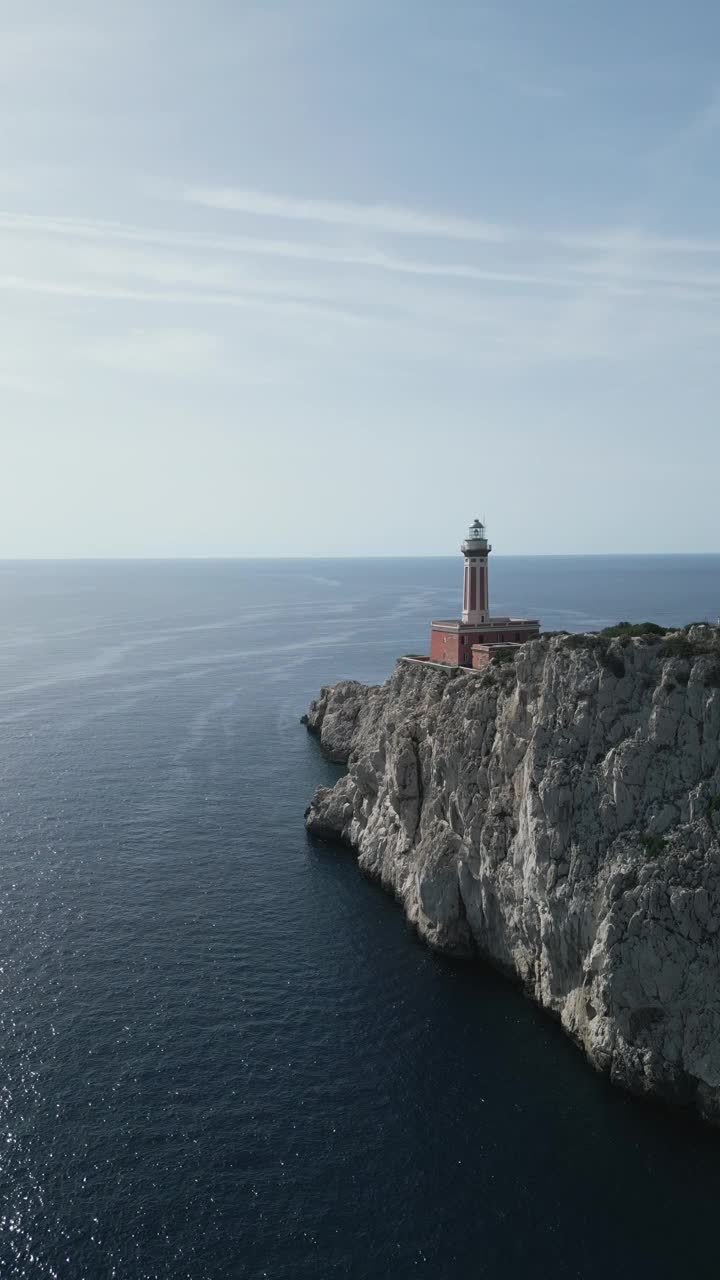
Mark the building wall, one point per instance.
(507, 635)
(444, 647)
(482, 654)
(455, 647)
(466, 640)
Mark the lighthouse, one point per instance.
(477, 636)
(476, 549)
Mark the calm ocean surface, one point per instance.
(222, 1052)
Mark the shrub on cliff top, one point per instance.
(503, 657)
(579, 640)
(680, 647)
(626, 630)
(597, 644)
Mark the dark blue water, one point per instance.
(222, 1052)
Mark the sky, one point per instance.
(332, 277)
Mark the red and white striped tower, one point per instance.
(476, 549)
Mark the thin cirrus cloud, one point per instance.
(523, 294)
(379, 217)
(393, 220)
(260, 246)
(119, 293)
(633, 257)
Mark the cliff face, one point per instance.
(559, 815)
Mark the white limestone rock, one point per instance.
(556, 815)
(334, 714)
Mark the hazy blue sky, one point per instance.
(333, 276)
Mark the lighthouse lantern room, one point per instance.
(474, 638)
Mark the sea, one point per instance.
(223, 1052)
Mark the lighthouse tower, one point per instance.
(477, 637)
(476, 549)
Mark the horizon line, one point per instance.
(215, 559)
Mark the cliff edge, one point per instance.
(558, 814)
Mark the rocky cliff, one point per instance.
(558, 814)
